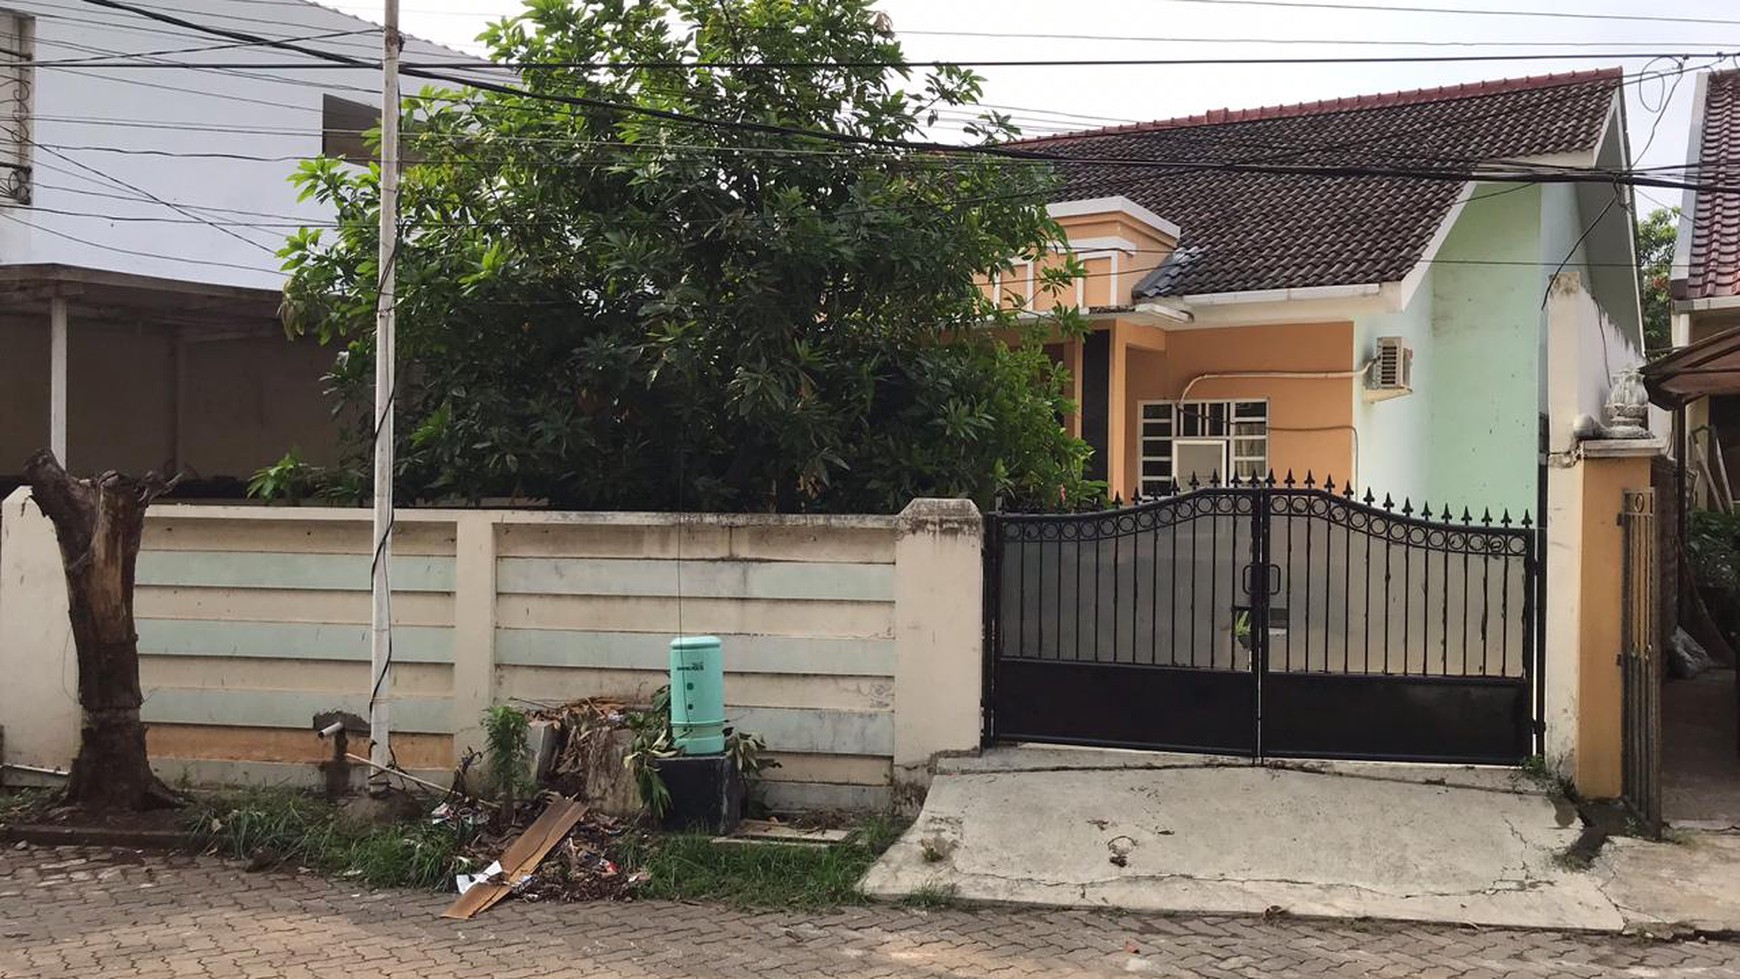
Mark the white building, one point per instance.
(141, 210)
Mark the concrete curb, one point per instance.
(133, 839)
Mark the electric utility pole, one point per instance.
(381, 612)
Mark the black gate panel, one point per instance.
(1121, 706)
(1437, 719)
(1267, 619)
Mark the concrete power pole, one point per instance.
(381, 612)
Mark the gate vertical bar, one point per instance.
(1639, 659)
(990, 611)
(1260, 494)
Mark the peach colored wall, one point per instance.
(1101, 287)
(1293, 403)
(1600, 714)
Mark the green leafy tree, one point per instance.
(606, 309)
(1655, 257)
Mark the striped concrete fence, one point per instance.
(852, 643)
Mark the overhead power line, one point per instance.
(1370, 8)
(60, 14)
(1462, 11)
(724, 65)
(231, 45)
(982, 150)
(1300, 41)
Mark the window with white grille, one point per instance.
(1204, 440)
(15, 107)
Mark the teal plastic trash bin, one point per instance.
(698, 695)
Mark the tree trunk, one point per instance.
(99, 523)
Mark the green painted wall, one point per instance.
(1487, 287)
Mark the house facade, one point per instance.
(1704, 284)
(141, 211)
(1355, 289)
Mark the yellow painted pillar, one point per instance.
(1117, 412)
(1599, 763)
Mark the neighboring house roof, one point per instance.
(1249, 231)
(1712, 260)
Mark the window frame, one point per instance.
(17, 64)
(1216, 420)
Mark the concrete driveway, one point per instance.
(1148, 832)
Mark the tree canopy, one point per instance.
(1655, 257)
(608, 309)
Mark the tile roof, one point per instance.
(1245, 230)
(1714, 267)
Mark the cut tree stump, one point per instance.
(99, 523)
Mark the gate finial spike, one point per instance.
(1193, 482)
(1426, 509)
(1407, 507)
(1309, 482)
(1329, 483)
(1504, 521)
(1289, 480)
(1347, 489)
(1270, 481)
(1213, 478)
(1526, 522)
(1466, 516)
(1446, 516)
(1486, 517)
(1370, 499)
(1389, 504)
(1117, 500)
(1234, 481)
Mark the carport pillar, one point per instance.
(938, 641)
(57, 328)
(1608, 468)
(1117, 413)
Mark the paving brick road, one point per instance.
(88, 912)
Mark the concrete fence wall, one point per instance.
(852, 643)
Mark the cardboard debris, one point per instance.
(521, 857)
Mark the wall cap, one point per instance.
(936, 516)
(1622, 448)
(317, 514)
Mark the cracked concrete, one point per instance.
(1692, 880)
(1165, 833)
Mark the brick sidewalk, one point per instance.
(77, 912)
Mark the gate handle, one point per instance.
(1274, 579)
(1247, 577)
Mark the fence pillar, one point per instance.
(473, 628)
(1594, 628)
(39, 707)
(939, 637)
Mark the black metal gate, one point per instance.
(1266, 620)
(1639, 657)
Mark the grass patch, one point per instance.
(295, 828)
(689, 867)
(24, 801)
(932, 897)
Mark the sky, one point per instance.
(1056, 98)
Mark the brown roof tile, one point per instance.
(1247, 230)
(1715, 258)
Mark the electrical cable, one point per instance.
(1462, 12)
(411, 67)
(827, 135)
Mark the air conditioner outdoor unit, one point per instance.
(1392, 370)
